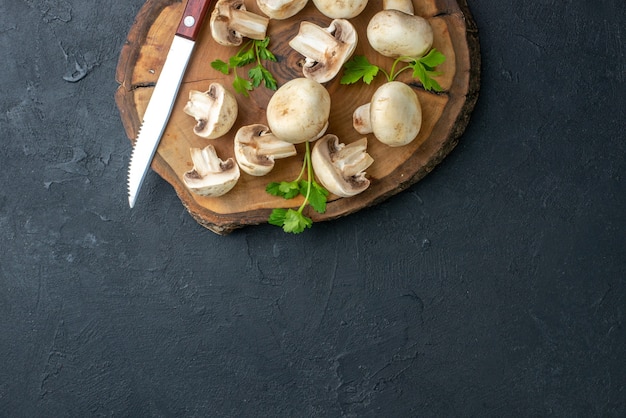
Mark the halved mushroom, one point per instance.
(397, 32)
(298, 111)
(210, 176)
(344, 9)
(256, 148)
(231, 22)
(394, 115)
(215, 111)
(341, 168)
(325, 49)
(281, 9)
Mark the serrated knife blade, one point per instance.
(157, 113)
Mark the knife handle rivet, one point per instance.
(189, 21)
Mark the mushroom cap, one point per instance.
(281, 9)
(345, 9)
(210, 175)
(339, 167)
(395, 114)
(298, 111)
(394, 34)
(215, 111)
(256, 149)
(325, 49)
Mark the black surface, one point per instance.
(494, 287)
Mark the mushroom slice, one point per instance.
(281, 9)
(397, 32)
(215, 111)
(231, 22)
(210, 176)
(394, 115)
(344, 9)
(339, 167)
(256, 149)
(325, 49)
(298, 111)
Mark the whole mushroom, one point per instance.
(215, 111)
(396, 32)
(256, 148)
(345, 9)
(325, 49)
(341, 168)
(210, 175)
(394, 115)
(231, 22)
(298, 111)
(281, 9)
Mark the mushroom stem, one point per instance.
(268, 144)
(361, 119)
(405, 6)
(205, 160)
(353, 158)
(313, 42)
(249, 24)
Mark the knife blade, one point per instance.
(158, 111)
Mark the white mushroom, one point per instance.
(210, 176)
(325, 49)
(231, 22)
(341, 168)
(298, 111)
(281, 9)
(394, 115)
(215, 111)
(344, 9)
(256, 149)
(397, 32)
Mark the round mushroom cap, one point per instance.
(345, 9)
(395, 114)
(393, 33)
(298, 111)
(281, 9)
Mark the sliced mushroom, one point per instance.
(339, 167)
(210, 176)
(281, 9)
(345, 9)
(394, 115)
(256, 149)
(298, 111)
(231, 22)
(325, 49)
(215, 111)
(397, 32)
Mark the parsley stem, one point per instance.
(309, 166)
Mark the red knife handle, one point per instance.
(193, 16)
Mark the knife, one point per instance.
(164, 94)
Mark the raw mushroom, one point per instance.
(341, 168)
(215, 111)
(345, 9)
(256, 149)
(298, 111)
(231, 22)
(394, 115)
(325, 49)
(210, 176)
(281, 9)
(397, 32)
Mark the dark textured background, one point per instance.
(494, 287)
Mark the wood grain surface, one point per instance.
(445, 114)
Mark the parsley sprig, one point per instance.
(359, 68)
(253, 51)
(293, 220)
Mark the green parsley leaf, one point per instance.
(359, 68)
(432, 59)
(295, 222)
(256, 75)
(317, 195)
(220, 66)
(277, 217)
(242, 85)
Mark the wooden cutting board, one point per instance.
(445, 114)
